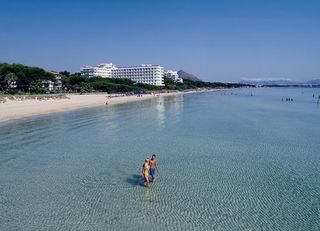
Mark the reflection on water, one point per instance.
(151, 193)
(169, 109)
(176, 108)
(160, 106)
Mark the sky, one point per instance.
(215, 40)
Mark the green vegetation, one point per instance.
(24, 76)
(189, 84)
(10, 79)
(17, 78)
(79, 83)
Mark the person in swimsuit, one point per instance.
(153, 167)
(145, 171)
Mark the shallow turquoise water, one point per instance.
(228, 161)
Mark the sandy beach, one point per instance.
(17, 109)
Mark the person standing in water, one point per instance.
(153, 167)
(145, 171)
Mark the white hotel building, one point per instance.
(173, 75)
(149, 74)
(102, 70)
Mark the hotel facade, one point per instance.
(149, 74)
(103, 70)
(173, 75)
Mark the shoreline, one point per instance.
(13, 110)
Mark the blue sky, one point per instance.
(215, 40)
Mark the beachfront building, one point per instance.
(146, 73)
(13, 85)
(47, 85)
(173, 75)
(103, 70)
(58, 83)
(149, 74)
(55, 85)
(52, 85)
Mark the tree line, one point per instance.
(18, 78)
(21, 76)
(79, 83)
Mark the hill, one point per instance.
(314, 82)
(187, 76)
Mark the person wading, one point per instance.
(146, 171)
(153, 167)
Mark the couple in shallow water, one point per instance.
(149, 168)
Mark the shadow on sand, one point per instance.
(136, 180)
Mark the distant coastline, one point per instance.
(296, 86)
(313, 83)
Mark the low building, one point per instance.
(173, 75)
(47, 85)
(13, 85)
(56, 85)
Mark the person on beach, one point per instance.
(153, 167)
(146, 171)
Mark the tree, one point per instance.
(35, 87)
(65, 73)
(77, 79)
(169, 83)
(85, 87)
(10, 80)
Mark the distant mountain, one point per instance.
(188, 76)
(313, 82)
(268, 81)
(280, 82)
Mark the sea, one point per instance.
(240, 159)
